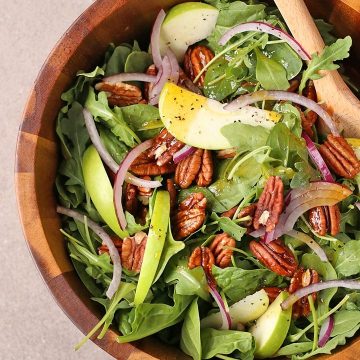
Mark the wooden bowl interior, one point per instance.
(82, 47)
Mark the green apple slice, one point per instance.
(271, 328)
(248, 309)
(185, 24)
(98, 185)
(197, 120)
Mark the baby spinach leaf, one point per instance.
(270, 74)
(137, 61)
(215, 342)
(325, 61)
(171, 248)
(237, 283)
(347, 262)
(190, 342)
(229, 226)
(245, 137)
(116, 62)
(147, 319)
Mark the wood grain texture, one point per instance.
(82, 47)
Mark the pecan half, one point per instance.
(151, 70)
(222, 256)
(275, 255)
(117, 242)
(270, 204)
(201, 256)
(273, 292)
(340, 156)
(164, 147)
(170, 187)
(243, 213)
(324, 219)
(190, 215)
(302, 278)
(196, 58)
(120, 94)
(131, 201)
(309, 119)
(226, 154)
(144, 165)
(294, 85)
(196, 167)
(132, 252)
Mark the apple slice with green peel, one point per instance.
(98, 185)
(197, 120)
(185, 24)
(271, 328)
(248, 309)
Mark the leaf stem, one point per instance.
(316, 324)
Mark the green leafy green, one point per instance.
(229, 226)
(190, 342)
(116, 62)
(117, 149)
(270, 74)
(325, 61)
(237, 283)
(147, 319)
(347, 262)
(215, 342)
(325, 30)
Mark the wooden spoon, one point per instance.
(337, 98)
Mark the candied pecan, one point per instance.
(244, 212)
(196, 58)
(226, 154)
(186, 83)
(294, 85)
(132, 251)
(117, 242)
(164, 147)
(145, 165)
(131, 201)
(273, 292)
(270, 204)
(229, 213)
(151, 70)
(222, 256)
(201, 256)
(300, 279)
(197, 166)
(120, 94)
(275, 255)
(172, 192)
(144, 193)
(340, 156)
(141, 214)
(325, 219)
(190, 215)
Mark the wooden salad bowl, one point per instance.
(82, 47)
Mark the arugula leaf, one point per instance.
(290, 117)
(229, 226)
(296, 348)
(147, 319)
(270, 74)
(237, 283)
(215, 342)
(347, 262)
(171, 248)
(325, 30)
(345, 321)
(117, 149)
(325, 61)
(190, 342)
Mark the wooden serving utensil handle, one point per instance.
(341, 103)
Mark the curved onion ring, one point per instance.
(262, 95)
(269, 29)
(326, 330)
(113, 79)
(155, 38)
(105, 238)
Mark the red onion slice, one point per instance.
(293, 298)
(313, 245)
(134, 180)
(326, 330)
(317, 158)
(163, 76)
(269, 29)
(120, 178)
(357, 204)
(105, 238)
(262, 95)
(155, 38)
(183, 153)
(129, 77)
(175, 68)
(226, 320)
(95, 139)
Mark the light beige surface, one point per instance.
(32, 325)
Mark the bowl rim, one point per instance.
(28, 141)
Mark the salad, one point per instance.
(208, 199)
